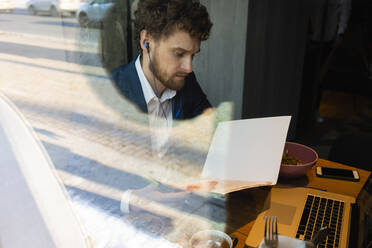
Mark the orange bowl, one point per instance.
(305, 154)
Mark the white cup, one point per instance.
(210, 239)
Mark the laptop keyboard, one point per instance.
(320, 212)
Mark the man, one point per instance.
(160, 81)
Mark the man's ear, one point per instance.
(144, 38)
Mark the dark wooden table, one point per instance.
(249, 203)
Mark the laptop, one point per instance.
(301, 212)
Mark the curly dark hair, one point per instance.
(161, 17)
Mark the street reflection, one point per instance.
(56, 73)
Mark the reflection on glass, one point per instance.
(59, 61)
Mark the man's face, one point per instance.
(172, 58)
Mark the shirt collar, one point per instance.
(148, 92)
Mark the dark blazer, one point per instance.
(189, 102)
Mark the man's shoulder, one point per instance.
(126, 80)
(124, 71)
(191, 83)
(193, 98)
(191, 77)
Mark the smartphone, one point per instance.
(351, 175)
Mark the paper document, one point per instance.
(246, 153)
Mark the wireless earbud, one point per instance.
(147, 45)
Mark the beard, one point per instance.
(175, 81)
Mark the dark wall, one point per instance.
(276, 39)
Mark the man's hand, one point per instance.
(150, 197)
(202, 186)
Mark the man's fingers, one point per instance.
(202, 186)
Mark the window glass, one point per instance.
(130, 166)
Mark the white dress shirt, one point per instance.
(160, 126)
